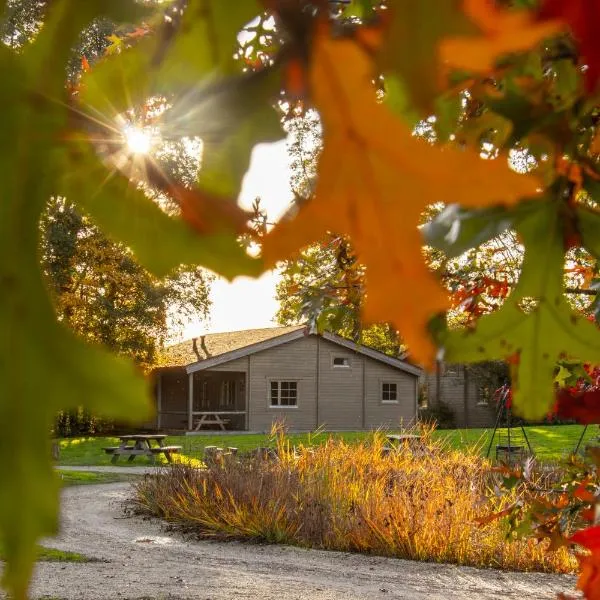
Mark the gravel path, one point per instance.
(139, 559)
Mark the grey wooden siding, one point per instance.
(294, 361)
(348, 397)
(464, 401)
(239, 364)
(379, 414)
(341, 388)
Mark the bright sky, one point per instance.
(250, 303)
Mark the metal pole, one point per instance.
(498, 417)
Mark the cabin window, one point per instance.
(284, 393)
(389, 392)
(452, 371)
(340, 362)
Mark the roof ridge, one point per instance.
(237, 331)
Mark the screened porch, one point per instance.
(202, 400)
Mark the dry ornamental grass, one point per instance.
(420, 503)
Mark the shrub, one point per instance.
(420, 503)
(78, 422)
(440, 415)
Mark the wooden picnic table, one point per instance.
(215, 417)
(140, 444)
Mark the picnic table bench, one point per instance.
(141, 445)
(214, 417)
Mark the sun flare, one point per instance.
(137, 140)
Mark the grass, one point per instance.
(70, 478)
(88, 450)
(550, 443)
(420, 505)
(53, 555)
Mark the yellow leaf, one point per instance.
(116, 44)
(374, 180)
(504, 31)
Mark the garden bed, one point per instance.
(421, 504)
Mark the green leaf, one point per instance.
(411, 44)
(397, 99)
(589, 227)
(231, 118)
(202, 45)
(455, 230)
(43, 367)
(535, 323)
(64, 21)
(448, 110)
(207, 40)
(487, 127)
(566, 85)
(562, 376)
(160, 242)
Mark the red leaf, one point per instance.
(589, 578)
(584, 407)
(588, 538)
(208, 213)
(582, 16)
(583, 493)
(203, 211)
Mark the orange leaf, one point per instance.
(374, 180)
(504, 31)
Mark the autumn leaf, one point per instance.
(374, 180)
(589, 578)
(410, 48)
(583, 406)
(208, 213)
(582, 16)
(504, 32)
(116, 44)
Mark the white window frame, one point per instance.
(381, 399)
(452, 370)
(348, 360)
(282, 406)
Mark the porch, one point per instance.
(201, 400)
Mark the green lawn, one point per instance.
(548, 442)
(69, 478)
(88, 450)
(53, 555)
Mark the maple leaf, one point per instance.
(582, 16)
(374, 180)
(589, 578)
(505, 31)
